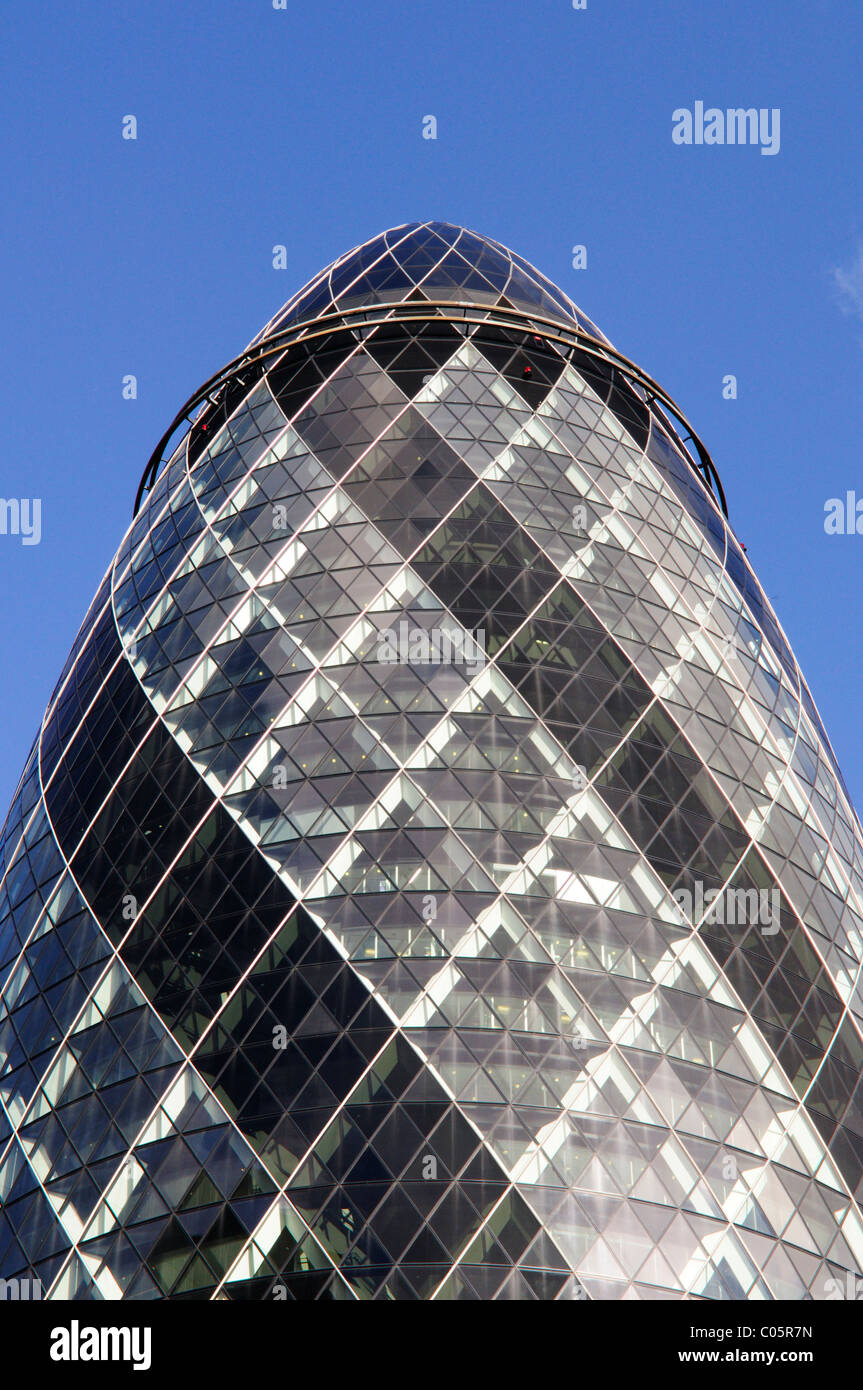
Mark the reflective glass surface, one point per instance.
(431, 878)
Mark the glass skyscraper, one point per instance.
(431, 878)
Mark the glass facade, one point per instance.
(431, 878)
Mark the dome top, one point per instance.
(436, 261)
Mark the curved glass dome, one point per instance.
(430, 879)
(434, 261)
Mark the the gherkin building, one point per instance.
(431, 878)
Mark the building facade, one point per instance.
(431, 878)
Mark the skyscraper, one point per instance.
(431, 878)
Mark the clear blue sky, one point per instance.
(303, 127)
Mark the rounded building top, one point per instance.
(460, 276)
(432, 261)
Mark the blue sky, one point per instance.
(303, 127)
